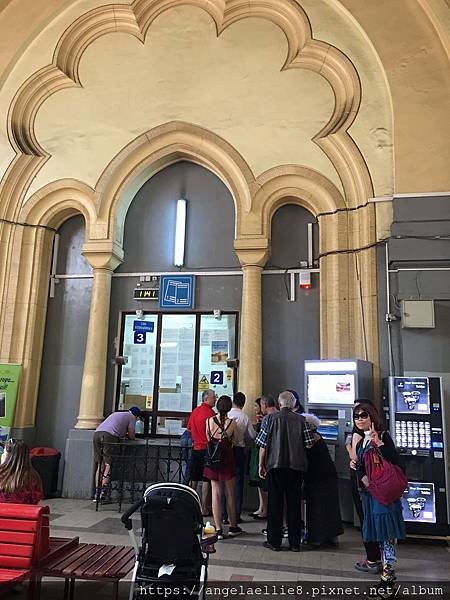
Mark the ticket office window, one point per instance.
(171, 360)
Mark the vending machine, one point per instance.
(415, 413)
(331, 388)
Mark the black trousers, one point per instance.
(372, 548)
(284, 484)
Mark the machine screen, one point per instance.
(413, 434)
(329, 429)
(331, 388)
(418, 503)
(412, 395)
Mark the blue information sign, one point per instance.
(216, 378)
(177, 291)
(139, 337)
(144, 326)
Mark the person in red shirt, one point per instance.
(197, 427)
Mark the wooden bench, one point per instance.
(91, 562)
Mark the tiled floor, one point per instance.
(244, 558)
(245, 554)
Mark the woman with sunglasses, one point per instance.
(372, 561)
(382, 524)
(19, 482)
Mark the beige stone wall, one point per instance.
(319, 102)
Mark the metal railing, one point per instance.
(136, 466)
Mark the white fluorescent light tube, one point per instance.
(333, 366)
(180, 233)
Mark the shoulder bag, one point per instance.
(387, 482)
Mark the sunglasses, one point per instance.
(361, 415)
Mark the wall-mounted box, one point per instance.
(417, 313)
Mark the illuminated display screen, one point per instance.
(413, 434)
(330, 388)
(418, 503)
(412, 395)
(329, 429)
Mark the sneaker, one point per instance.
(264, 532)
(225, 522)
(270, 547)
(232, 531)
(367, 567)
(219, 533)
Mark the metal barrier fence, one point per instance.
(136, 466)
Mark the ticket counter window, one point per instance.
(171, 360)
(137, 377)
(176, 372)
(217, 345)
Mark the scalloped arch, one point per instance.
(309, 188)
(55, 203)
(135, 19)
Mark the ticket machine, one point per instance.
(415, 413)
(331, 388)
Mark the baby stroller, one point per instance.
(173, 554)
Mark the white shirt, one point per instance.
(244, 428)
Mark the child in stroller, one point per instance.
(173, 554)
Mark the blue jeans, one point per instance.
(238, 491)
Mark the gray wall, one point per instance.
(149, 245)
(290, 329)
(416, 222)
(64, 342)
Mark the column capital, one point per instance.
(102, 254)
(252, 251)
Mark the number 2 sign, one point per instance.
(216, 378)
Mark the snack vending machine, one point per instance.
(331, 388)
(415, 412)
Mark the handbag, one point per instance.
(387, 482)
(215, 454)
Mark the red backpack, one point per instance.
(387, 482)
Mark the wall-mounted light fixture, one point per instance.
(180, 233)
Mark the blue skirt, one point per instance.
(381, 523)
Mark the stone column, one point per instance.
(250, 344)
(94, 372)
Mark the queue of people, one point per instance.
(294, 467)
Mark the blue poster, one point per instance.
(412, 395)
(418, 502)
(177, 291)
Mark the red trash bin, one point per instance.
(46, 463)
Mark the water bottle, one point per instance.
(139, 427)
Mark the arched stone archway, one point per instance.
(256, 200)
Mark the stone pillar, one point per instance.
(94, 372)
(250, 344)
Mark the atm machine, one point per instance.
(415, 413)
(331, 388)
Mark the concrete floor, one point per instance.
(244, 558)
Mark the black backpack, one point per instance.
(215, 454)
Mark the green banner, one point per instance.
(9, 385)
